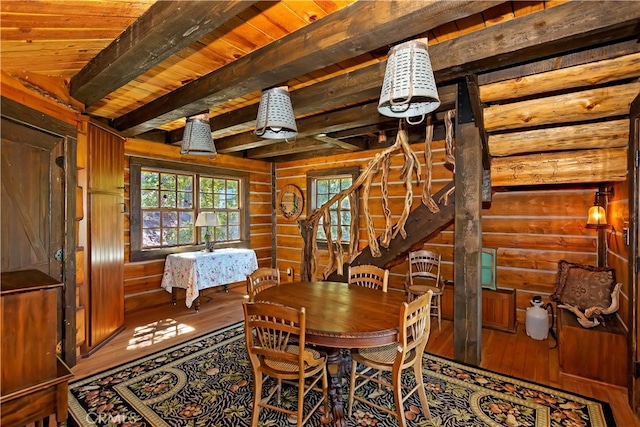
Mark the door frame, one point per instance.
(27, 116)
(634, 259)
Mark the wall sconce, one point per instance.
(275, 115)
(207, 219)
(597, 216)
(409, 87)
(197, 136)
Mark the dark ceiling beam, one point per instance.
(503, 45)
(283, 148)
(308, 154)
(373, 129)
(337, 124)
(417, 134)
(556, 30)
(354, 30)
(350, 88)
(332, 121)
(339, 143)
(478, 117)
(162, 31)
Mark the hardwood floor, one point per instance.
(153, 329)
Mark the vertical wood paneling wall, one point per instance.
(142, 279)
(531, 228)
(617, 251)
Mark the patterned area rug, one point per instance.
(207, 382)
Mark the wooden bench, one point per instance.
(598, 353)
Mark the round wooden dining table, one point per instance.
(341, 316)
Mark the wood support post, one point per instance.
(467, 309)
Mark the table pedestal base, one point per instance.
(339, 367)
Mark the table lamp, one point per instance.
(206, 219)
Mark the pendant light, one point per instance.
(197, 136)
(275, 115)
(409, 87)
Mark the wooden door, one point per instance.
(634, 259)
(105, 206)
(32, 200)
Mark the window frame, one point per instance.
(314, 175)
(136, 164)
(488, 268)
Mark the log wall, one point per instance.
(553, 136)
(568, 125)
(531, 229)
(142, 279)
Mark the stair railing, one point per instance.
(380, 162)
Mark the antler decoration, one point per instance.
(584, 319)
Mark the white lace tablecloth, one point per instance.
(201, 270)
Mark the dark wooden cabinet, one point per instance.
(34, 380)
(105, 236)
(498, 308)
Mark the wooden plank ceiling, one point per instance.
(143, 66)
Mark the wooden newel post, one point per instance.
(307, 252)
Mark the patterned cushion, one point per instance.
(584, 286)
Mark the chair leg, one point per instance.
(397, 397)
(417, 371)
(325, 395)
(257, 392)
(300, 414)
(439, 302)
(352, 385)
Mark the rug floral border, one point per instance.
(493, 399)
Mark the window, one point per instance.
(322, 186)
(166, 198)
(167, 208)
(488, 268)
(221, 195)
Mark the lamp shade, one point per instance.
(409, 87)
(197, 136)
(597, 217)
(275, 115)
(206, 219)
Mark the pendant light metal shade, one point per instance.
(197, 136)
(409, 87)
(275, 115)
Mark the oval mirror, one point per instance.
(290, 202)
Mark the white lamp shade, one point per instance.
(409, 87)
(206, 219)
(197, 136)
(275, 115)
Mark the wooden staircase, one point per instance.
(421, 226)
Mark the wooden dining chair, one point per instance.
(424, 275)
(369, 276)
(261, 279)
(275, 338)
(415, 327)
